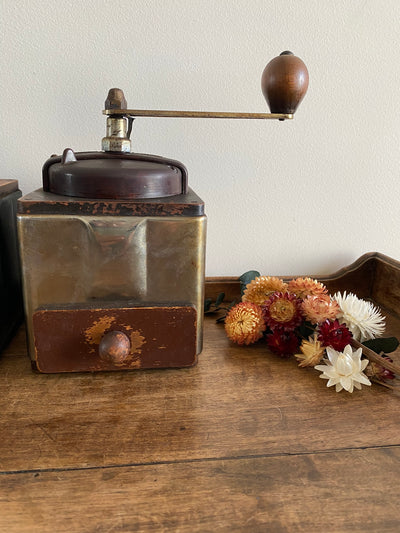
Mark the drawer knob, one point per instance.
(114, 347)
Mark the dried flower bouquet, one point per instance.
(301, 319)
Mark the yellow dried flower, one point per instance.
(303, 287)
(312, 352)
(261, 288)
(319, 308)
(244, 323)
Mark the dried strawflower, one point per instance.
(244, 323)
(344, 369)
(283, 342)
(362, 318)
(334, 334)
(303, 287)
(376, 371)
(261, 288)
(319, 308)
(311, 352)
(282, 310)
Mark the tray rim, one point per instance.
(369, 263)
(365, 258)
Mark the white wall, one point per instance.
(303, 196)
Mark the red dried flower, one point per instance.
(334, 334)
(282, 310)
(283, 342)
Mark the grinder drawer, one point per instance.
(108, 338)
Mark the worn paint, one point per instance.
(94, 334)
(136, 338)
(137, 341)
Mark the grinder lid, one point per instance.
(114, 175)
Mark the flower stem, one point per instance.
(372, 356)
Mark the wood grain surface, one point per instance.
(336, 492)
(244, 441)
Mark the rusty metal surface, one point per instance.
(40, 202)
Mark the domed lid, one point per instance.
(113, 175)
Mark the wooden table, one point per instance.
(244, 441)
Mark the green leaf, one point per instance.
(385, 344)
(246, 278)
(207, 304)
(306, 329)
(220, 299)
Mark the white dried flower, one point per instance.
(345, 369)
(362, 318)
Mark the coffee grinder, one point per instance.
(113, 246)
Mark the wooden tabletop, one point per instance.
(244, 441)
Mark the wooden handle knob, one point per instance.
(284, 83)
(114, 347)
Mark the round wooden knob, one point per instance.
(114, 347)
(284, 83)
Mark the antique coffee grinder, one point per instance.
(113, 246)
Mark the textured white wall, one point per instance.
(302, 196)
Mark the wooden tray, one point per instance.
(373, 277)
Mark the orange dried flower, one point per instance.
(303, 287)
(319, 308)
(311, 352)
(244, 323)
(261, 288)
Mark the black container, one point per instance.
(11, 307)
